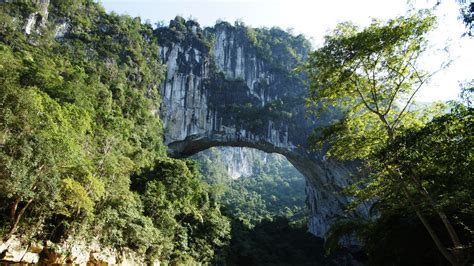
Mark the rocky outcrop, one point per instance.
(37, 20)
(238, 60)
(224, 89)
(183, 99)
(238, 161)
(74, 252)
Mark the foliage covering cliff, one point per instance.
(77, 129)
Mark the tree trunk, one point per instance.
(454, 259)
(449, 227)
(444, 251)
(15, 217)
(457, 252)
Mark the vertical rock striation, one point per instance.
(234, 56)
(239, 161)
(184, 100)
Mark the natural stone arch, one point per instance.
(229, 95)
(309, 166)
(324, 178)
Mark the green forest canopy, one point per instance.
(77, 135)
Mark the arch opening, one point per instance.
(255, 184)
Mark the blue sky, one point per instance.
(311, 17)
(314, 18)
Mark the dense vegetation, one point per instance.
(275, 188)
(419, 173)
(268, 213)
(277, 242)
(82, 156)
(76, 131)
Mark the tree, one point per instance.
(439, 156)
(41, 146)
(467, 13)
(438, 160)
(373, 76)
(180, 207)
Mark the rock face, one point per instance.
(239, 161)
(234, 86)
(72, 252)
(38, 19)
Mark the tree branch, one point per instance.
(422, 81)
(413, 56)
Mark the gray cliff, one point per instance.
(236, 86)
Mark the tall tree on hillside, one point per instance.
(373, 76)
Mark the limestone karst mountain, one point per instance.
(237, 86)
